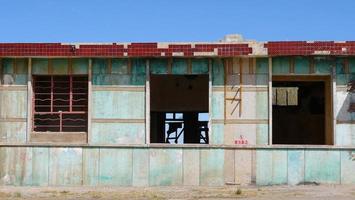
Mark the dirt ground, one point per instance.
(309, 192)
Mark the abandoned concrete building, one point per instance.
(161, 114)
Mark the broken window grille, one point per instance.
(60, 103)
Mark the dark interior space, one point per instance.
(179, 109)
(298, 112)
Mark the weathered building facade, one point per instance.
(152, 114)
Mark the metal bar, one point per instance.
(270, 100)
(147, 102)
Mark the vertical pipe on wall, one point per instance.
(89, 99)
(29, 100)
(147, 103)
(270, 100)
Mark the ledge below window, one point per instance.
(59, 137)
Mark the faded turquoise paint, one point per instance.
(217, 105)
(351, 61)
(347, 167)
(100, 66)
(119, 66)
(302, 65)
(262, 134)
(158, 66)
(179, 66)
(118, 104)
(101, 79)
(322, 166)
(165, 167)
(13, 132)
(279, 167)
(261, 105)
(212, 167)
(281, 65)
(118, 133)
(60, 66)
(39, 66)
(345, 134)
(322, 65)
(262, 71)
(217, 134)
(115, 167)
(91, 158)
(295, 162)
(138, 71)
(11, 110)
(217, 72)
(8, 66)
(80, 65)
(343, 79)
(191, 166)
(264, 167)
(40, 162)
(65, 166)
(12, 76)
(140, 167)
(339, 66)
(199, 66)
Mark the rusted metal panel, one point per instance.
(322, 166)
(165, 167)
(60, 66)
(65, 166)
(140, 167)
(243, 166)
(115, 167)
(118, 133)
(91, 158)
(212, 167)
(13, 132)
(295, 162)
(118, 104)
(9, 109)
(191, 167)
(347, 167)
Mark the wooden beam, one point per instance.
(29, 100)
(89, 132)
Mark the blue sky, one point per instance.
(178, 20)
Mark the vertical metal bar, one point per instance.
(225, 89)
(209, 98)
(30, 106)
(240, 85)
(147, 102)
(89, 100)
(60, 122)
(52, 90)
(270, 100)
(70, 93)
(333, 106)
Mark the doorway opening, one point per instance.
(301, 110)
(179, 109)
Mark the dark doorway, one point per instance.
(179, 109)
(299, 112)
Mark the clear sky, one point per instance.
(174, 20)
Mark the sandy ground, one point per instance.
(309, 192)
